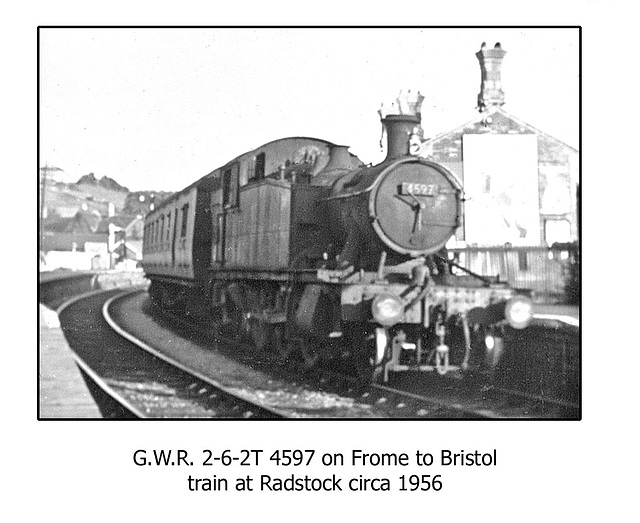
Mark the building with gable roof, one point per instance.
(520, 184)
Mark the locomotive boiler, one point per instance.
(301, 250)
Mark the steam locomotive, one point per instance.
(310, 256)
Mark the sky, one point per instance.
(157, 109)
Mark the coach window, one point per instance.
(185, 213)
(168, 226)
(161, 229)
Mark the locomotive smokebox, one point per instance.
(405, 206)
(400, 128)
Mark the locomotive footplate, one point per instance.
(429, 327)
(416, 302)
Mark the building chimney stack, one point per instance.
(491, 93)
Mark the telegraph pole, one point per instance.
(44, 175)
(44, 171)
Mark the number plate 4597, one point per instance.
(419, 189)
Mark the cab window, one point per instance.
(185, 214)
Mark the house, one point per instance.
(520, 184)
(520, 190)
(89, 242)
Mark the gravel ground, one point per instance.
(201, 355)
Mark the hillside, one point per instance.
(94, 195)
(90, 180)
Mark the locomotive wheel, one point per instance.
(279, 346)
(310, 354)
(484, 358)
(374, 372)
(492, 353)
(367, 372)
(302, 351)
(154, 294)
(258, 332)
(167, 300)
(300, 354)
(368, 363)
(233, 324)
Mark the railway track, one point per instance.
(188, 379)
(327, 394)
(213, 360)
(128, 382)
(407, 395)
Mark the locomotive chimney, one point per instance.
(401, 120)
(399, 130)
(491, 93)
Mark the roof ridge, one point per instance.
(483, 115)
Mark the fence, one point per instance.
(545, 270)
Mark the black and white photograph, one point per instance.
(320, 262)
(253, 223)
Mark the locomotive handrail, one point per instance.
(464, 269)
(423, 292)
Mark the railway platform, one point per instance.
(547, 313)
(63, 393)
